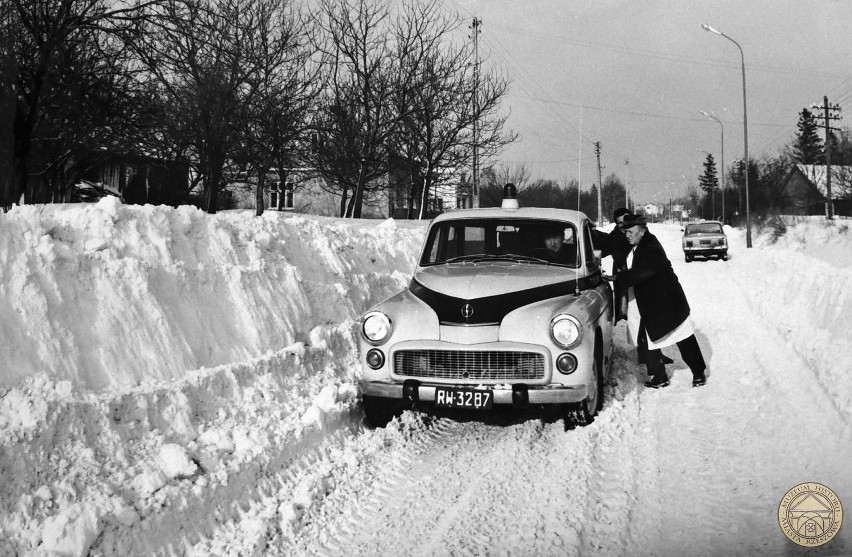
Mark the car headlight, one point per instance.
(566, 331)
(376, 327)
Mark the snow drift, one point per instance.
(111, 296)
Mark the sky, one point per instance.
(177, 383)
(634, 74)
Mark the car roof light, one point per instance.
(510, 198)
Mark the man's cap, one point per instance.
(618, 212)
(631, 220)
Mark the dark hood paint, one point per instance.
(492, 309)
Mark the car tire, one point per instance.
(583, 413)
(688, 258)
(378, 412)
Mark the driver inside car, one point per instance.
(554, 249)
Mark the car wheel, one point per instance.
(583, 413)
(688, 258)
(379, 411)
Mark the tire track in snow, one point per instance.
(471, 488)
(397, 470)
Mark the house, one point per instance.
(805, 187)
(651, 210)
(135, 178)
(279, 189)
(405, 188)
(394, 194)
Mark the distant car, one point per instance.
(704, 239)
(489, 320)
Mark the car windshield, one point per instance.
(521, 240)
(704, 228)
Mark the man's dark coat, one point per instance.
(618, 247)
(661, 300)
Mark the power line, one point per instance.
(637, 113)
(666, 56)
(530, 82)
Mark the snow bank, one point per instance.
(109, 296)
(154, 354)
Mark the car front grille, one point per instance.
(469, 364)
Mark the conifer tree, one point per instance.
(807, 146)
(709, 181)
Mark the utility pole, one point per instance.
(722, 161)
(475, 26)
(600, 184)
(627, 187)
(829, 207)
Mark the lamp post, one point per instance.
(745, 127)
(712, 195)
(722, 160)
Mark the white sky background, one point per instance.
(634, 74)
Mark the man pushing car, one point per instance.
(657, 309)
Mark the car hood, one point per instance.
(481, 280)
(485, 293)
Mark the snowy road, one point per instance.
(672, 472)
(678, 471)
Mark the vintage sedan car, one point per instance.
(492, 318)
(705, 239)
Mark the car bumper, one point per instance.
(705, 250)
(518, 395)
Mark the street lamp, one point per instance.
(722, 161)
(745, 127)
(712, 194)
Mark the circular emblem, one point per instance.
(810, 514)
(467, 311)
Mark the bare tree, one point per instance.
(286, 83)
(355, 117)
(441, 98)
(207, 77)
(72, 83)
(694, 196)
(505, 173)
(612, 194)
(8, 78)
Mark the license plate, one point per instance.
(459, 397)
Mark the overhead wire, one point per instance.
(535, 92)
(655, 54)
(526, 81)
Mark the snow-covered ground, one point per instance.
(175, 383)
